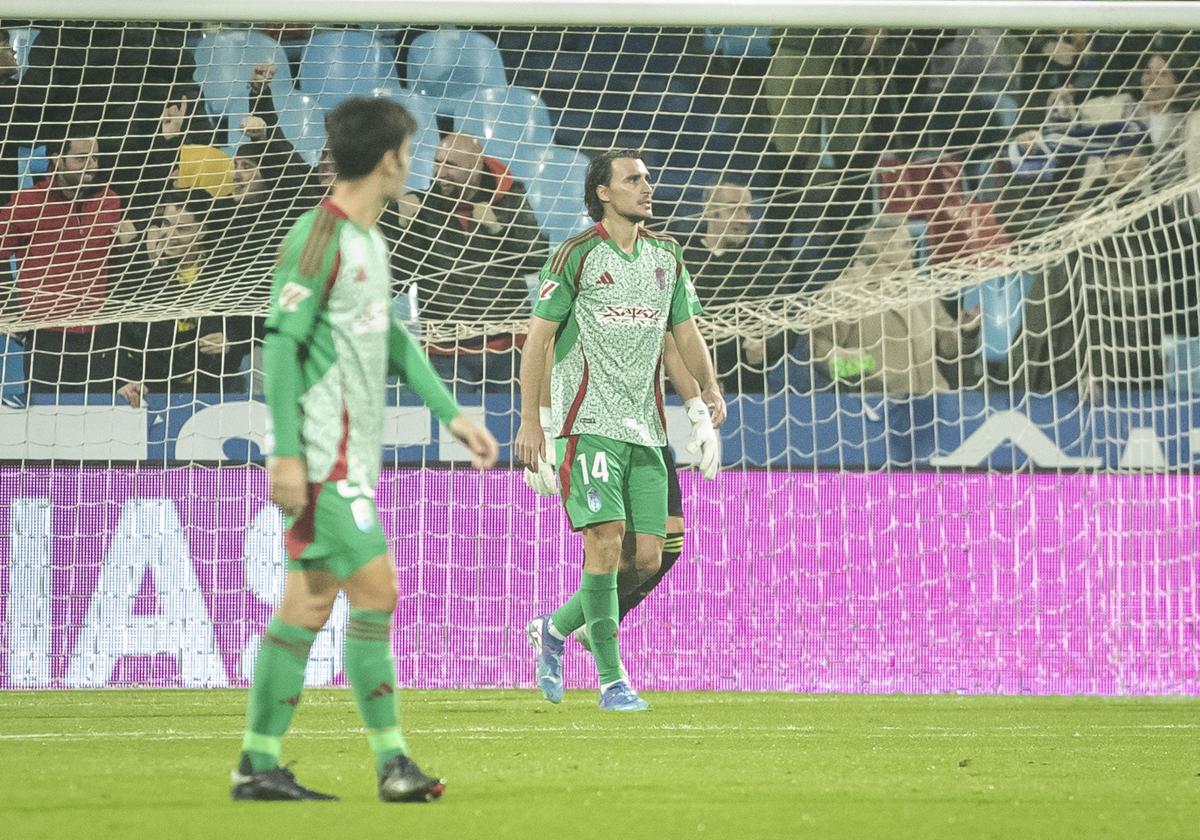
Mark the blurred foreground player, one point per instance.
(331, 342)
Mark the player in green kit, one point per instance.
(331, 342)
(607, 299)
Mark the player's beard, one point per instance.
(637, 218)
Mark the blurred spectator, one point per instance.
(905, 350)
(114, 77)
(1096, 318)
(468, 243)
(183, 156)
(834, 97)
(187, 355)
(1167, 86)
(61, 232)
(728, 263)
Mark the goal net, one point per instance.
(951, 283)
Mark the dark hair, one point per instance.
(599, 174)
(360, 130)
(197, 203)
(1183, 67)
(255, 149)
(72, 133)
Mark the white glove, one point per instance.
(544, 479)
(704, 437)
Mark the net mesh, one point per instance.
(920, 252)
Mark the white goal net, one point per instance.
(951, 280)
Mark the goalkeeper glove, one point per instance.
(704, 437)
(541, 477)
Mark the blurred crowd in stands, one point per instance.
(846, 166)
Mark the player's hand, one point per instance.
(704, 438)
(711, 396)
(530, 443)
(484, 449)
(133, 393)
(541, 477)
(289, 484)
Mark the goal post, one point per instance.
(949, 255)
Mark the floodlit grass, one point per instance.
(155, 764)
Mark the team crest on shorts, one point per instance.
(364, 514)
(593, 501)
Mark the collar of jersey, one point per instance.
(637, 244)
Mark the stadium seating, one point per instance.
(512, 123)
(303, 122)
(21, 39)
(555, 189)
(450, 65)
(225, 61)
(739, 41)
(1001, 301)
(346, 62)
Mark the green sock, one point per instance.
(278, 681)
(569, 617)
(371, 670)
(599, 596)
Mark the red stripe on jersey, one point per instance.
(332, 278)
(330, 205)
(579, 272)
(300, 536)
(602, 230)
(576, 404)
(339, 466)
(564, 469)
(658, 394)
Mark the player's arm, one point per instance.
(298, 290)
(556, 298)
(542, 478)
(408, 361)
(690, 344)
(704, 435)
(535, 375)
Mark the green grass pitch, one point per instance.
(155, 764)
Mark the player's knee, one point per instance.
(312, 612)
(648, 561)
(602, 553)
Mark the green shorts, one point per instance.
(339, 531)
(604, 480)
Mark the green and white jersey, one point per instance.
(613, 310)
(332, 293)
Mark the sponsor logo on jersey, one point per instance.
(638, 316)
(605, 279)
(548, 287)
(594, 502)
(374, 318)
(292, 295)
(660, 275)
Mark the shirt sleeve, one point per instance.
(408, 361)
(684, 302)
(306, 268)
(556, 291)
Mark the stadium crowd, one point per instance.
(819, 163)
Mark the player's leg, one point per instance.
(371, 671)
(308, 597)
(592, 477)
(672, 545)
